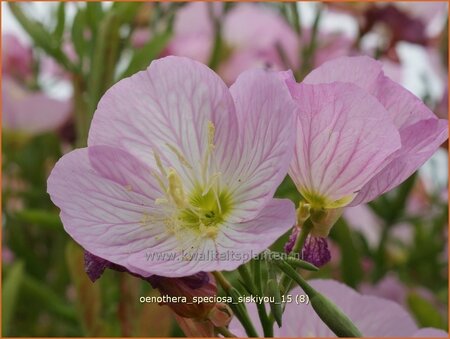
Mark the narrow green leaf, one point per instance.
(298, 263)
(94, 14)
(78, 33)
(424, 312)
(273, 290)
(40, 217)
(142, 57)
(350, 264)
(60, 21)
(88, 293)
(41, 37)
(39, 292)
(10, 293)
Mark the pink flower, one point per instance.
(252, 36)
(359, 133)
(17, 58)
(180, 171)
(26, 110)
(375, 317)
(31, 112)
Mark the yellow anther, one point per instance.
(129, 188)
(160, 201)
(211, 134)
(175, 189)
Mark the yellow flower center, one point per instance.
(203, 209)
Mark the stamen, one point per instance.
(159, 163)
(175, 189)
(180, 156)
(211, 134)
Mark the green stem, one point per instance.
(296, 17)
(238, 308)
(217, 48)
(309, 51)
(266, 323)
(304, 232)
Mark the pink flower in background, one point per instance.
(17, 59)
(360, 134)
(27, 110)
(375, 317)
(252, 35)
(180, 171)
(31, 112)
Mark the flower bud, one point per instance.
(198, 285)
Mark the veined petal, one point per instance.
(104, 212)
(265, 113)
(419, 142)
(234, 245)
(361, 71)
(367, 73)
(421, 132)
(250, 238)
(169, 107)
(343, 140)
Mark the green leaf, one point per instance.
(41, 37)
(142, 57)
(424, 312)
(78, 33)
(38, 292)
(60, 22)
(336, 320)
(298, 263)
(273, 290)
(40, 217)
(10, 293)
(125, 10)
(94, 14)
(350, 264)
(88, 293)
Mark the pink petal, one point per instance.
(234, 245)
(430, 333)
(255, 27)
(17, 58)
(254, 236)
(419, 142)
(361, 71)
(265, 113)
(373, 316)
(405, 109)
(31, 112)
(344, 137)
(169, 106)
(101, 209)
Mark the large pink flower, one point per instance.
(375, 317)
(179, 173)
(359, 133)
